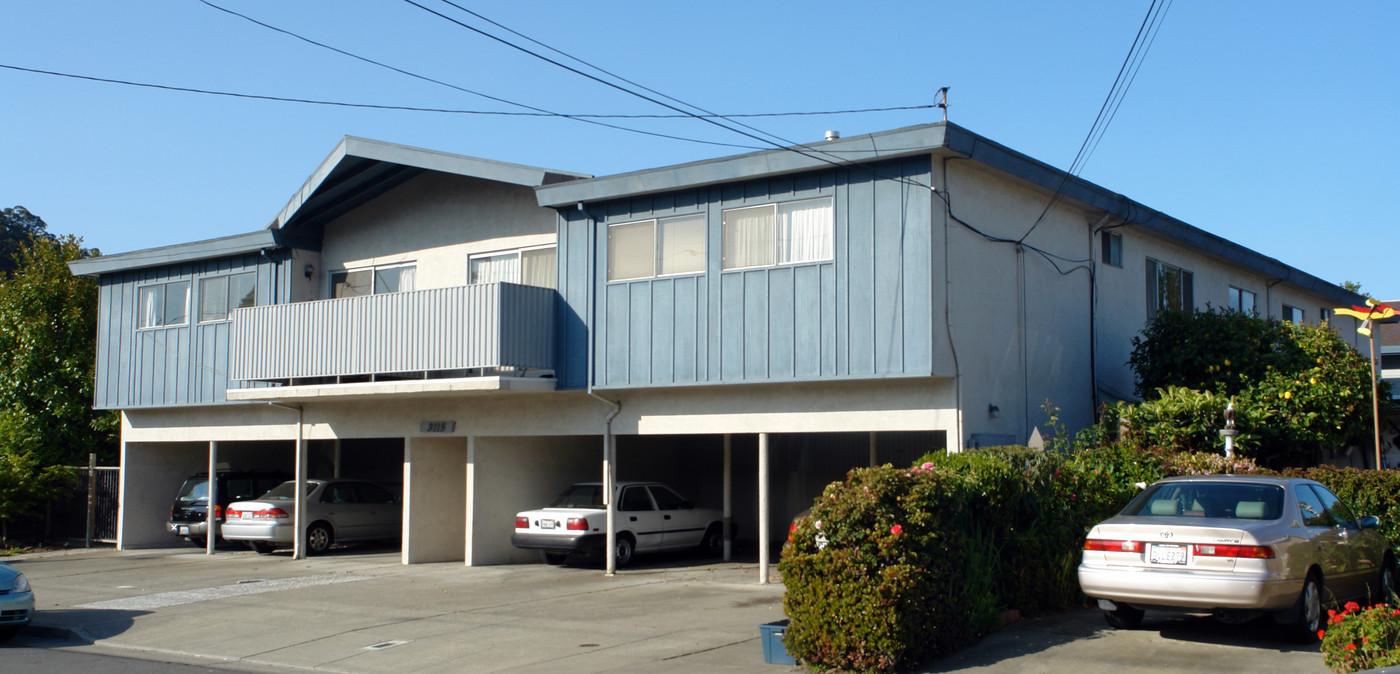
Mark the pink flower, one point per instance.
(928, 465)
(896, 530)
(818, 524)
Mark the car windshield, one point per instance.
(580, 496)
(1220, 500)
(196, 489)
(287, 491)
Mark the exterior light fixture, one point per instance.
(309, 270)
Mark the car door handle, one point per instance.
(632, 518)
(665, 517)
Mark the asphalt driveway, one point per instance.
(359, 610)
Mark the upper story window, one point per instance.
(1111, 248)
(656, 247)
(220, 295)
(373, 280)
(772, 234)
(530, 266)
(1241, 300)
(1169, 288)
(164, 304)
(1324, 314)
(1293, 314)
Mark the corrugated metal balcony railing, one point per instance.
(491, 325)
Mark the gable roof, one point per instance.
(355, 172)
(940, 139)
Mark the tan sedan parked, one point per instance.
(1238, 547)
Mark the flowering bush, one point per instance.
(1358, 639)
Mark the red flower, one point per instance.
(896, 530)
(1350, 647)
(1352, 606)
(1320, 633)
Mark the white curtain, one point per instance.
(152, 301)
(805, 231)
(537, 267)
(394, 279)
(504, 268)
(683, 244)
(748, 237)
(632, 250)
(177, 303)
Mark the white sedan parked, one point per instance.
(650, 517)
(1239, 547)
(337, 511)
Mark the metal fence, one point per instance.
(89, 512)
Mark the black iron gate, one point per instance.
(89, 512)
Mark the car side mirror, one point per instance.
(1370, 522)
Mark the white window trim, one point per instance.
(517, 252)
(330, 277)
(164, 286)
(227, 289)
(656, 247)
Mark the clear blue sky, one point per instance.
(1269, 123)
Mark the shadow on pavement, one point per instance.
(1023, 638)
(1261, 633)
(81, 624)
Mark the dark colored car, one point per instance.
(189, 513)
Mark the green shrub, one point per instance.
(1362, 639)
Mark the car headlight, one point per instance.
(21, 585)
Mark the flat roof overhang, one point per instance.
(414, 388)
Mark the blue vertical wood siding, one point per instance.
(864, 314)
(175, 365)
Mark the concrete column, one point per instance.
(874, 453)
(211, 526)
(434, 502)
(335, 459)
(763, 509)
(609, 492)
(299, 503)
(469, 489)
(728, 499)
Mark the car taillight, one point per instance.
(1246, 551)
(265, 514)
(1107, 545)
(218, 512)
(576, 524)
(522, 522)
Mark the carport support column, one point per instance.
(763, 509)
(299, 518)
(210, 532)
(728, 499)
(874, 454)
(609, 492)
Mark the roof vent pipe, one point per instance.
(833, 135)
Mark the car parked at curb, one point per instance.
(189, 514)
(1238, 547)
(16, 601)
(650, 517)
(337, 511)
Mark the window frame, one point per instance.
(777, 252)
(1185, 286)
(161, 322)
(658, 242)
(373, 278)
(519, 255)
(1111, 248)
(1235, 298)
(228, 294)
(1289, 309)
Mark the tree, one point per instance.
(48, 323)
(1296, 389)
(17, 228)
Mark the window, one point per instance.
(1241, 300)
(164, 304)
(1169, 288)
(656, 247)
(1111, 245)
(219, 296)
(530, 266)
(787, 233)
(635, 499)
(1293, 314)
(1324, 314)
(373, 281)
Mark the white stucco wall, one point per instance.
(435, 221)
(151, 475)
(510, 474)
(434, 499)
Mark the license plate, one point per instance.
(548, 524)
(1168, 554)
(184, 531)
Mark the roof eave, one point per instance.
(237, 244)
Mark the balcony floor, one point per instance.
(397, 389)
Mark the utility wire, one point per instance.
(1132, 62)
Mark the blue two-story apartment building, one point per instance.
(481, 334)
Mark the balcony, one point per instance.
(442, 332)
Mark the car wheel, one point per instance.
(261, 547)
(713, 542)
(1308, 611)
(622, 550)
(554, 558)
(1124, 618)
(1386, 589)
(319, 538)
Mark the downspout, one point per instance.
(299, 502)
(948, 318)
(1094, 229)
(609, 458)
